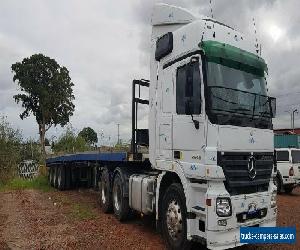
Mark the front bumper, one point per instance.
(218, 240)
(289, 181)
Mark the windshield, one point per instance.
(295, 156)
(237, 97)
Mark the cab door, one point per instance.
(188, 120)
(164, 123)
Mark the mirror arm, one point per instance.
(196, 123)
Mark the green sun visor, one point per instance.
(233, 57)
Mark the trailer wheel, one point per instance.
(51, 174)
(95, 179)
(61, 174)
(55, 174)
(120, 202)
(174, 216)
(105, 197)
(68, 177)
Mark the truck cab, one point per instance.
(288, 169)
(210, 129)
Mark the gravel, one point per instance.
(32, 219)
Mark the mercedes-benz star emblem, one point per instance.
(251, 168)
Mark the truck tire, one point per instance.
(288, 189)
(95, 179)
(51, 174)
(278, 183)
(174, 218)
(61, 178)
(120, 202)
(68, 177)
(55, 173)
(105, 192)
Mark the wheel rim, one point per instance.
(51, 176)
(104, 192)
(174, 219)
(59, 177)
(117, 196)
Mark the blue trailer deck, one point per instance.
(88, 157)
(85, 169)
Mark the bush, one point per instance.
(10, 144)
(69, 142)
(31, 150)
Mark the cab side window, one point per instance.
(188, 89)
(282, 155)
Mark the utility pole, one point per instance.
(295, 111)
(118, 133)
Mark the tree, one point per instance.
(68, 142)
(89, 135)
(46, 92)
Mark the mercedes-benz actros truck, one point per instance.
(210, 163)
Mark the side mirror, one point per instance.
(164, 46)
(189, 110)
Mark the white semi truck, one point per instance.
(210, 163)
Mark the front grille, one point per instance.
(235, 168)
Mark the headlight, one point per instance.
(223, 207)
(273, 199)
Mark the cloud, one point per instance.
(105, 47)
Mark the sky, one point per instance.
(105, 44)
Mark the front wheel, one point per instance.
(174, 218)
(120, 202)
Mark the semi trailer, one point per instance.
(209, 165)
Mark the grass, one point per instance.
(38, 183)
(81, 212)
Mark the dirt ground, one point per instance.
(31, 219)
